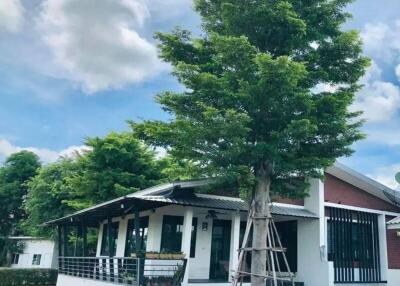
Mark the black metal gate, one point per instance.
(353, 246)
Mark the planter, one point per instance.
(152, 255)
(172, 256)
(177, 256)
(165, 256)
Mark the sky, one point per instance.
(72, 69)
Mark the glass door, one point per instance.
(220, 250)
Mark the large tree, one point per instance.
(253, 109)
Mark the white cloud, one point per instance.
(382, 41)
(385, 175)
(46, 155)
(98, 43)
(378, 99)
(397, 71)
(11, 15)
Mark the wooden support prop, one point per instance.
(274, 250)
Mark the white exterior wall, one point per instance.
(313, 268)
(46, 248)
(393, 277)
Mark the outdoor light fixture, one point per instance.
(398, 233)
(122, 206)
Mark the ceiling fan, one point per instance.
(212, 214)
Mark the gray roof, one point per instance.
(178, 193)
(228, 203)
(394, 221)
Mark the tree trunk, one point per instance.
(261, 209)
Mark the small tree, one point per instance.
(251, 109)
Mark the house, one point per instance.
(345, 232)
(36, 253)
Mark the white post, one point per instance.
(154, 232)
(122, 230)
(313, 268)
(235, 237)
(383, 246)
(186, 238)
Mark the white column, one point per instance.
(122, 229)
(235, 241)
(154, 232)
(312, 266)
(383, 247)
(186, 238)
(99, 239)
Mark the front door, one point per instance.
(220, 250)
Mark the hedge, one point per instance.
(24, 276)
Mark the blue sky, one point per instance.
(70, 69)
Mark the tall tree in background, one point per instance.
(113, 166)
(117, 164)
(50, 190)
(18, 169)
(252, 109)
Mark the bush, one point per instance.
(23, 276)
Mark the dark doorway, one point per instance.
(220, 250)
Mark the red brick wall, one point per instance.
(393, 246)
(340, 192)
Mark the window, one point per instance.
(15, 258)
(171, 237)
(105, 251)
(193, 238)
(130, 246)
(36, 259)
(353, 245)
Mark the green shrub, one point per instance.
(23, 276)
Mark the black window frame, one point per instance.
(175, 240)
(171, 242)
(36, 259)
(130, 242)
(15, 259)
(104, 251)
(193, 238)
